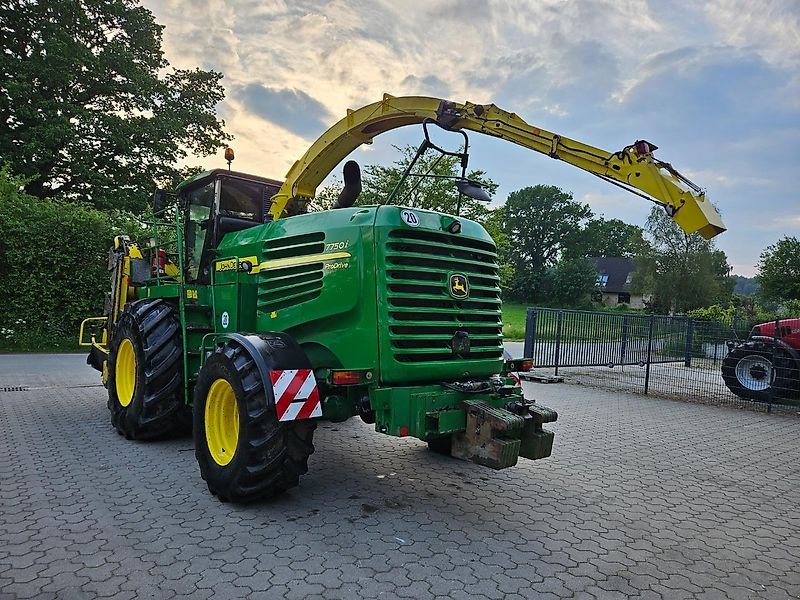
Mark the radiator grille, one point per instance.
(422, 316)
(289, 285)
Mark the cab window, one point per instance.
(198, 222)
(242, 199)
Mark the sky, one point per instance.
(715, 84)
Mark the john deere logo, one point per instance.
(459, 285)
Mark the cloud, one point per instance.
(293, 110)
(771, 27)
(429, 85)
(715, 84)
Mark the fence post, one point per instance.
(624, 344)
(559, 322)
(689, 340)
(773, 376)
(649, 352)
(530, 333)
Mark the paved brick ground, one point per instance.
(643, 498)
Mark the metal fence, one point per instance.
(669, 356)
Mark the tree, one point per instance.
(682, 271)
(574, 281)
(88, 108)
(779, 270)
(602, 237)
(746, 286)
(540, 220)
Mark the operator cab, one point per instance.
(219, 202)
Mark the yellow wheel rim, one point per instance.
(125, 372)
(222, 422)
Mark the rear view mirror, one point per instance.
(160, 200)
(472, 189)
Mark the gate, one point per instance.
(669, 356)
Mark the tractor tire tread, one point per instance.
(158, 410)
(276, 453)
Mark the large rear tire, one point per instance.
(244, 452)
(145, 372)
(754, 371)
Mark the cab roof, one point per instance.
(207, 176)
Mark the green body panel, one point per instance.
(356, 293)
(359, 288)
(418, 315)
(383, 289)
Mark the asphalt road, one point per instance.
(642, 498)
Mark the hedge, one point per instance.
(53, 259)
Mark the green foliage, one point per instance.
(682, 271)
(715, 312)
(53, 257)
(779, 270)
(791, 308)
(540, 220)
(326, 197)
(90, 110)
(568, 284)
(745, 286)
(602, 237)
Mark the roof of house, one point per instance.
(617, 268)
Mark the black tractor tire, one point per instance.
(153, 405)
(269, 456)
(746, 371)
(441, 445)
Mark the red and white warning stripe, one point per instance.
(296, 394)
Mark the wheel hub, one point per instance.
(125, 372)
(755, 372)
(222, 422)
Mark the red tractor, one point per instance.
(766, 366)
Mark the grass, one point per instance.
(607, 326)
(514, 316)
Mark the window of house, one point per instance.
(628, 279)
(602, 279)
(623, 298)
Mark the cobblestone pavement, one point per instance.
(643, 498)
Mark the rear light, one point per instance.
(350, 377)
(519, 364)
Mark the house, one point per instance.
(614, 274)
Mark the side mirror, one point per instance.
(472, 189)
(160, 200)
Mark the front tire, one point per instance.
(244, 452)
(145, 372)
(754, 371)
